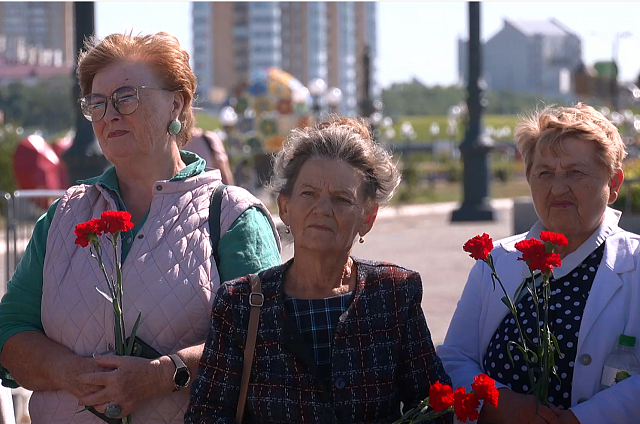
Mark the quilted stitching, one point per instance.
(169, 275)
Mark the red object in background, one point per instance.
(61, 145)
(37, 166)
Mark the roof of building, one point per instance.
(540, 27)
(16, 71)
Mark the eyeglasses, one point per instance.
(125, 101)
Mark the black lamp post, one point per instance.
(366, 104)
(476, 146)
(334, 98)
(84, 158)
(317, 88)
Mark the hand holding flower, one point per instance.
(516, 408)
(110, 224)
(127, 381)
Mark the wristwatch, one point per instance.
(182, 376)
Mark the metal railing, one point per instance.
(18, 215)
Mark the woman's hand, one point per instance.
(515, 408)
(74, 384)
(129, 382)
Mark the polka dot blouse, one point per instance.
(568, 298)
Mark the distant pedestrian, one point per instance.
(209, 146)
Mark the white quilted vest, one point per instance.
(169, 275)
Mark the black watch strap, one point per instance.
(181, 376)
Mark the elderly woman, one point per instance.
(137, 94)
(573, 158)
(340, 340)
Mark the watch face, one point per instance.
(182, 377)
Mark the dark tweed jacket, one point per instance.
(382, 355)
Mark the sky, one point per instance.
(419, 39)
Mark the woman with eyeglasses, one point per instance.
(56, 329)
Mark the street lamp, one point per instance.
(317, 88)
(84, 158)
(408, 133)
(375, 120)
(228, 119)
(476, 145)
(299, 98)
(434, 129)
(334, 97)
(615, 47)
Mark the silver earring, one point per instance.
(361, 240)
(174, 127)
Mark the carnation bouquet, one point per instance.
(442, 400)
(540, 257)
(109, 226)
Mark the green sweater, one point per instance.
(247, 247)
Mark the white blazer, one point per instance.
(612, 308)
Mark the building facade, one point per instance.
(307, 39)
(536, 57)
(42, 25)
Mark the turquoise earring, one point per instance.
(174, 127)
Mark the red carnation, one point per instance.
(530, 248)
(545, 263)
(440, 396)
(555, 238)
(479, 247)
(536, 257)
(85, 231)
(466, 405)
(115, 221)
(485, 388)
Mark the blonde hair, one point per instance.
(161, 51)
(550, 126)
(338, 138)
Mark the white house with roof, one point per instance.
(527, 56)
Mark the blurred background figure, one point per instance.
(209, 146)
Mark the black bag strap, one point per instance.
(214, 221)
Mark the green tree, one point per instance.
(48, 105)
(416, 99)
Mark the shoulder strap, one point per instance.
(214, 221)
(256, 299)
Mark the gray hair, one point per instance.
(338, 138)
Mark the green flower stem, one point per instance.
(418, 414)
(120, 317)
(116, 292)
(512, 306)
(104, 271)
(544, 346)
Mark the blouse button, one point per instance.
(159, 187)
(339, 383)
(585, 359)
(140, 236)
